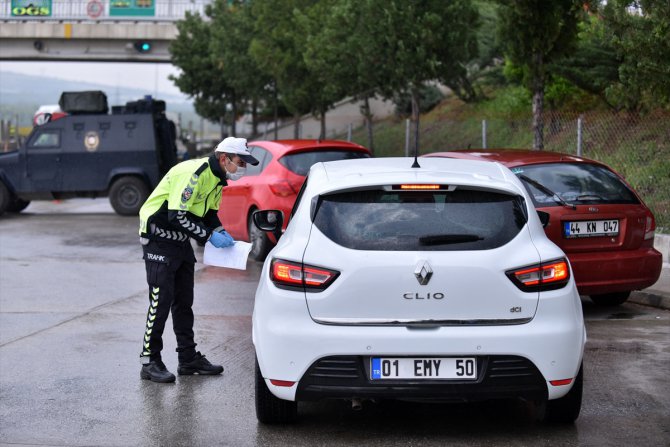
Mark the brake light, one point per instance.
(650, 227)
(561, 382)
(281, 383)
(282, 189)
(287, 274)
(419, 187)
(545, 276)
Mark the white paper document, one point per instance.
(234, 257)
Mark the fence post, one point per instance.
(407, 138)
(483, 134)
(579, 136)
(349, 132)
(3, 138)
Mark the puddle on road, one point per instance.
(624, 315)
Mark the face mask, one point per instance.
(237, 174)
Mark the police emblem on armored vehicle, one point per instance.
(91, 141)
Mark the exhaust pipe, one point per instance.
(356, 404)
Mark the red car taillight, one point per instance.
(292, 275)
(545, 276)
(283, 189)
(650, 227)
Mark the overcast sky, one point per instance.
(148, 76)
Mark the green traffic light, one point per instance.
(142, 47)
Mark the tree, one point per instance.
(310, 22)
(200, 77)
(345, 57)
(232, 30)
(278, 48)
(640, 35)
(594, 64)
(426, 40)
(389, 46)
(533, 34)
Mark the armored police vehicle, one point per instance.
(88, 152)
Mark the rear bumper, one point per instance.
(499, 377)
(289, 343)
(622, 271)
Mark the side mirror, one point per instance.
(544, 218)
(269, 220)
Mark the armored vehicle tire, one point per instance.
(5, 198)
(127, 195)
(18, 205)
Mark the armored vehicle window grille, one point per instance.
(47, 138)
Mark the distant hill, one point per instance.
(23, 94)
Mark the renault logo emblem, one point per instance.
(423, 272)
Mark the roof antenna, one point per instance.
(416, 144)
(416, 162)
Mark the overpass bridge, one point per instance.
(91, 30)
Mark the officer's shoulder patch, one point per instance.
(186, 194)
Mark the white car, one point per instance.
(433, 283)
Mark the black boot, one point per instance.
(156, 372)
(198, 365)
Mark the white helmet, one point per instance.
(237, 146)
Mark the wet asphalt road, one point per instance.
(72, 310)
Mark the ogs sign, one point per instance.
(31, 8)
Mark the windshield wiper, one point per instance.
(547, 191)
(437, 239)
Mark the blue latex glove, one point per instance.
(221, 239)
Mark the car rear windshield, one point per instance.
(461, 219)
(575, 183)
(300, 162)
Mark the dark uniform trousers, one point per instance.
(170, 270)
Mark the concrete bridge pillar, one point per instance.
(86, 41)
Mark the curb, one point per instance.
(650, 298)
(658, 295)
(662, 244)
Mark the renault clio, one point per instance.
(405, 281)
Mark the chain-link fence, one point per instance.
(638, 147)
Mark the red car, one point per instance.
(598, 220)
(274, 183)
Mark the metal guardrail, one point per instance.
(99, 10)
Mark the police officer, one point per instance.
(183, 206)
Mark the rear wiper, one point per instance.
(437, 239)
(547, 191)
